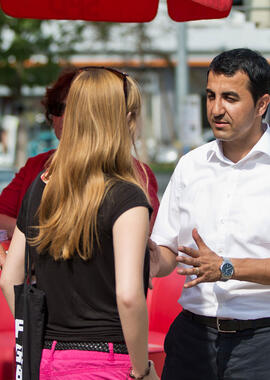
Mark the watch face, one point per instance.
(227, 270)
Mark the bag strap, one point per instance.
(28, 259)
(27, 264)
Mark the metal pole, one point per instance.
(182, 81)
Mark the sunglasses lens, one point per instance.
(58, 109)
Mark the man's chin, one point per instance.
(220, 134)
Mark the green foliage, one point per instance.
(30, 50)
(103, 30)
(162, 167)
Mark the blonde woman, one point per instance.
(91, 214)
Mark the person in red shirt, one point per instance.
(12, 195)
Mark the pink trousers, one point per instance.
(83, 365)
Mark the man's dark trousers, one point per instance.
(198, 352)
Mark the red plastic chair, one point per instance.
(162, 309)
(7, 341)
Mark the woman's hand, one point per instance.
(154, 261)
(152, 375)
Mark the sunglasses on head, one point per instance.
(57, 109)
(120, 75)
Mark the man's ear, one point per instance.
(262, 104)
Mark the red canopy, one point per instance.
(198, 9)
(115, 10)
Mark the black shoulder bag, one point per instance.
(30, 315)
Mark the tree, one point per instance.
(30, 54)
(30, 51)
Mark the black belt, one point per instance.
(118, 348)
(228, 325)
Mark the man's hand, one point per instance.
(3, 256)
(154, 261)
(205, 263)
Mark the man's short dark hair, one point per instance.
(247, 61)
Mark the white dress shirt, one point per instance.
(229, 204)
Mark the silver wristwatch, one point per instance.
(226, 269)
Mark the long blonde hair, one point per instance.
(94, 152)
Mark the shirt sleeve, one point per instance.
(125, 196)
(11, 194)
(167, 224)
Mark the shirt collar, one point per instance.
(262, 146)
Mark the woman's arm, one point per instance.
(130, 234)
(13, 270)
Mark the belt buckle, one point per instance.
(219, 328)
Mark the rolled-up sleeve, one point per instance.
(167, 224)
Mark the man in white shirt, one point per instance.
(215, 215)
